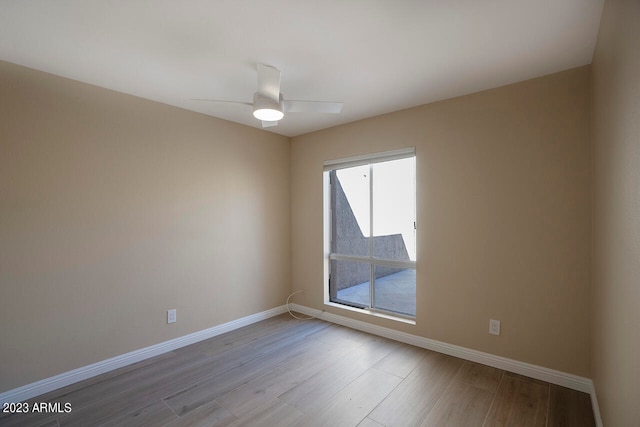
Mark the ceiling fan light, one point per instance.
(268, 114)
(266, 109)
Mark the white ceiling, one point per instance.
(376, 56)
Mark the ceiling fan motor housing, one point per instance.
(267, 109)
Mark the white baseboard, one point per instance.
(46, 385)
(552, 376)
(545, 374)
(595, 407)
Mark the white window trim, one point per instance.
(330, 165)
(385, 156)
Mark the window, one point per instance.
(370, 232)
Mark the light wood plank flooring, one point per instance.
(283, 371)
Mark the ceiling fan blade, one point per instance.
(219, 100)
(291, 106)
(269, 82)
(266, 124)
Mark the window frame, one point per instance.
(335, 165)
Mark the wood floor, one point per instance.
(283, 372)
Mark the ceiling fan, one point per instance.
(268, 104)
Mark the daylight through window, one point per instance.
(370, 211)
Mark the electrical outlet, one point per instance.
(494, 327)
(171, 316)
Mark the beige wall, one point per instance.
(616, 136)
(503, 216)
(114, 209)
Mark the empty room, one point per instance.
(363, 213)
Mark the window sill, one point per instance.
(373, 313)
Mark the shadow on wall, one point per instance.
(347, 239)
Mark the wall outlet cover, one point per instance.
(171, 316)
(494, 327)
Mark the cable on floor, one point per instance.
(293, 315)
